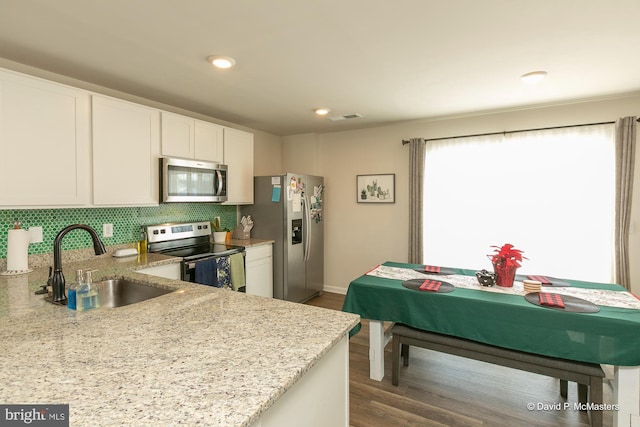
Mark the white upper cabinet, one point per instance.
(62, 146)
(126, 152)
(208, 142)
(189, 138)
(44, 143)
(177, 136)
(238, 156)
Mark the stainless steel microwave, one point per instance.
(185, 180)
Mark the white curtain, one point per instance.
(549, 193)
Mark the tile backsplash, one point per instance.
(127, 222)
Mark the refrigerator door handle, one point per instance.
(306, 227)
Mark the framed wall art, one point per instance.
(380, 188)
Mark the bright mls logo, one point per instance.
(34, 415)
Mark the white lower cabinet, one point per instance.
(319, 399)
(259, 270)
(168, 271)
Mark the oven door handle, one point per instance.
(227, 252)
(192, 264)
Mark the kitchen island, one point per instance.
(196, 356)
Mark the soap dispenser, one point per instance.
(73, 289)
(88, 294)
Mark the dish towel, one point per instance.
(224, 272)
(206, 272)
(237, 271)
(432, 269)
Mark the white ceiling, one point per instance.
(387, 60)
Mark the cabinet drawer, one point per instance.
(258, 252)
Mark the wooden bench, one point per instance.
(589, 376)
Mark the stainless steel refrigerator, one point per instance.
(289, 209)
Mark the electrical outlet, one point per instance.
(35, 234)
(107, 230)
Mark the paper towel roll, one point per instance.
(18, 250)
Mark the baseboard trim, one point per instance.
(335, 290)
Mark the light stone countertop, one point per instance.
(197, 356)
(250, 243)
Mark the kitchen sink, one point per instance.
(121, 292)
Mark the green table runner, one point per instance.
(611, 336)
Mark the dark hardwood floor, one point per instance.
(442, 390)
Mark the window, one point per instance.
(549, 193)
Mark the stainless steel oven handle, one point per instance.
(227, 252)
(192, 264)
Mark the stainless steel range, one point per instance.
(189, 240)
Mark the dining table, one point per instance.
(599, 322)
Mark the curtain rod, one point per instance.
(404, 142)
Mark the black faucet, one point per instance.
(57, 280)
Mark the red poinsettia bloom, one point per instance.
(506, 254)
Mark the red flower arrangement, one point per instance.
(506, 255)
(505, 260)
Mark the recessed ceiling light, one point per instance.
(322, 111)
(221, 61)
(533, 77)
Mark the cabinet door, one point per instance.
(44, 143)
(209, 143)
(238, 156)
(126, 148)
(259, 270)
(177, 136)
